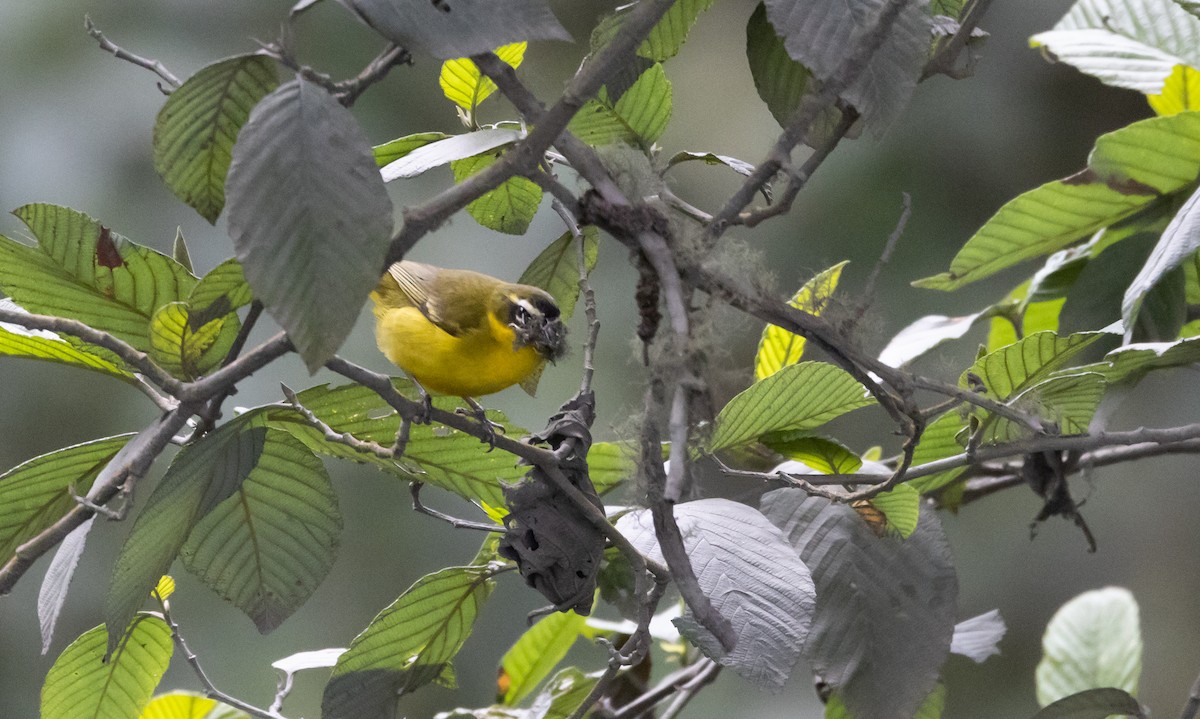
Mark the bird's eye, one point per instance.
(521, 314)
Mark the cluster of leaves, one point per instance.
(865, 593)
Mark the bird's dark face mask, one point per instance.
(537, 323)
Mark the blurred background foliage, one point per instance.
(75, 129)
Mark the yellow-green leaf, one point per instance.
(779, 348)
(536, 653)
(510, 207)
(189, 705)
(165, 588)
(902, 507)
(1180, 92)
(463, 84)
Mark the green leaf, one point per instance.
(799, 396)
(179, 251)
(782, 82)
(667, 37)
(902, 507)
(38, 492)
(199, 123)
(1181, 91)
(1093, 704)
(565, 693)
(1133, 43)
(269, 545)
(556, 269)
(16, 341)
(931, 708)
(1130, 363)
(824, 455)
(439, 456)
(1179, 242)
(1127, 171)
(389, 152)
(309, 215)
(409, 644)
(189, 705)
(938, 441)
(1012, 369)
(185, 348)
(1093, 641)
(537, 652)
(221, 291)
(510, 207)
(84, 271)
(778, 348)
(639, 116)
(202, 475)
(82, 683)
(463, 84)
(610, 464)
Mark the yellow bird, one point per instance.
(457, 332)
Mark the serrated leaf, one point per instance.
(778, 348)
(782, 82)
(39, 491)
(189, 705)
(82, 683)
(639, 116)
(753, 579)
(1093, 704)
(201, 476)
(669, 34)
(902, 507)
(824, 35)
(537, 652)
(1125, 43)
(84, 271)
(510, 207)
(610, 464)
(1068, 401)
(199, 123)
(822, 454)
(1013, 369)
(979, 637)
(221, 291)
(52, 595)
(16, 341)
(439, 456)
(1129, 363)
(472, 27)
(1179, 242)
(1093, 641)
(1127, 171)
(797, 397)
(269, 545)
(462, 83)
(925, 334)
(885, 606)
(556, 268)
(409, 644)
(309, 215)
(393, 150)
(938, 441)
(443, 151)
(1181, 91)
(184, 348)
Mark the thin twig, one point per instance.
(414, 488)
(868, 293)
(210, 689)
(1193, 702)
(348, 91)
(689, 690)
(670, 684)
(944, 61)
(212, 412)
(122, 54)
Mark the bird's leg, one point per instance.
(489, 427)
(426, 400)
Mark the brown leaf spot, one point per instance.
(106, 250)
(1126, 186)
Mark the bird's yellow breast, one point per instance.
(476, 363)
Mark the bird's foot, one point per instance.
(490, 428)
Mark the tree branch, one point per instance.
(120, 53)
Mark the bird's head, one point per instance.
(535, 319)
